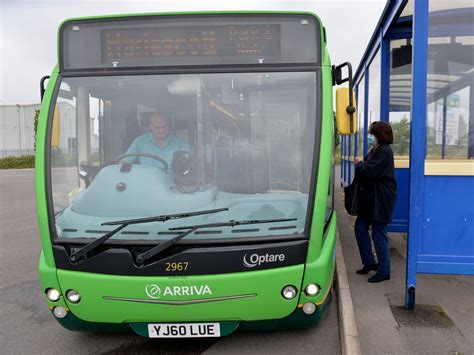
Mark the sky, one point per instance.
(28, 31)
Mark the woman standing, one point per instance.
(374, 201)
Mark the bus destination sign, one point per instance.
(202, 41)
(189, 40)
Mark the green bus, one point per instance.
(185, 172)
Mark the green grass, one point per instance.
(27, 161)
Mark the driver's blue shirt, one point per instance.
(146, 144)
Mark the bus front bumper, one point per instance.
(296, 320)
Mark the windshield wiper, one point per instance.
(77, 254)
(141, 258)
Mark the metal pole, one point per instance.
(417, 146)
(343, 164)
(349, 162)
(366, 109)
(470, 139)
(19, 131)
(443, 136)
(384, 79)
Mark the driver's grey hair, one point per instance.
(161, 115)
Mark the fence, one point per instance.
(17, 129)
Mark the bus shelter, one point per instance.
(417, 73)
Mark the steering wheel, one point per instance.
(146, 155)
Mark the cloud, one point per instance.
(28, 31)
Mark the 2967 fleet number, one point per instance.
(179, 266)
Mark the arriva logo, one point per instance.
(257, 260)
(154, 291)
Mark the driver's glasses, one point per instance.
(159, 127)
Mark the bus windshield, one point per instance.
(135, 146)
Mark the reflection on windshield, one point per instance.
(137, 146)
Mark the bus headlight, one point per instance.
(52, 294)
(312, 290)
(309, 308)
(59, 312)
(289, 292)
(73, 296)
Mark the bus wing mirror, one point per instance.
(42, 88)
(56, 129)
(346, 116)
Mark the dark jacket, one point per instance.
(376, 189)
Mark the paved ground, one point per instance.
(26, 326)
(443, 321)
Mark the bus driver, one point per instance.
(158, 142)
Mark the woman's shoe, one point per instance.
(367, 268)
(378, 278)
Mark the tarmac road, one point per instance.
(26, 325)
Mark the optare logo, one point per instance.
(153, 291)
(257, 259)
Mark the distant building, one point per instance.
(17, 129)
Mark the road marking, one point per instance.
(16, 175)
(26, 169)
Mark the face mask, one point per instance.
(371, 140)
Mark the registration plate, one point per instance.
(184, 330)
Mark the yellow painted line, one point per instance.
(325, 296)
(449, 167)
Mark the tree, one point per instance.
(401, 136)
(35, 124)
(337, 138)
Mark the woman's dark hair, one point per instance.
(382, 131)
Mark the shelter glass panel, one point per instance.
(450, 111)
(408, 9)
(400, 95)
(374, 90)
(360, 117)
